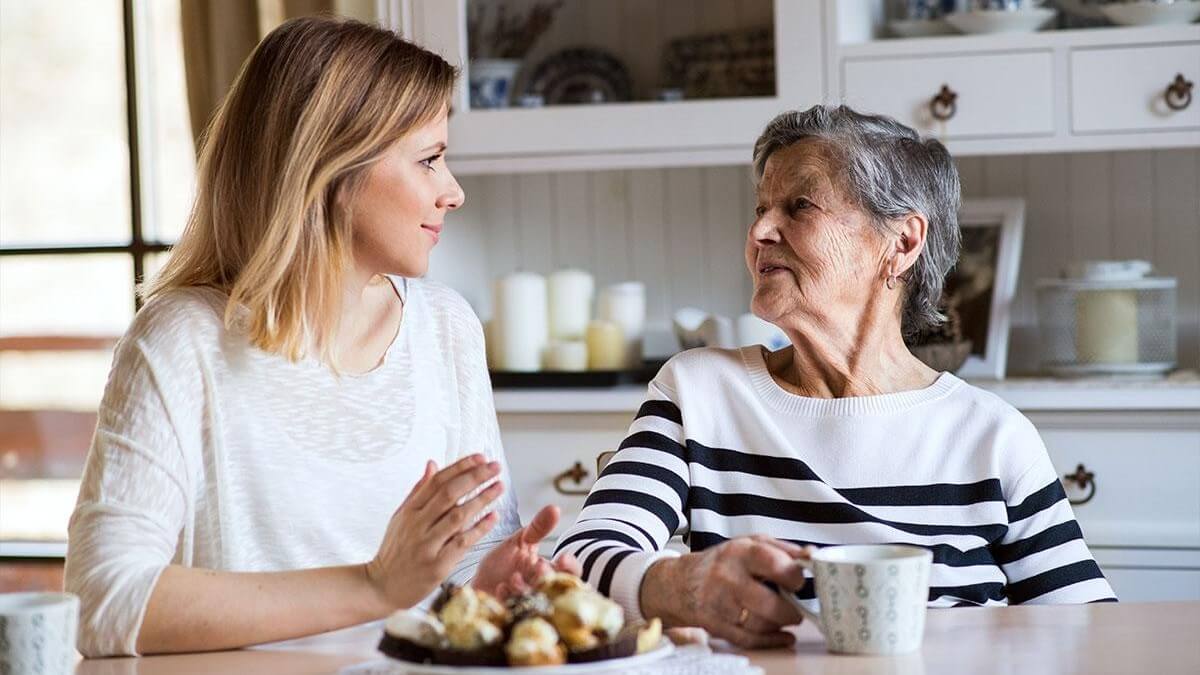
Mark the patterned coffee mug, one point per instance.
(37, 633)
(870, 599)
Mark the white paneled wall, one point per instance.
(682, 230)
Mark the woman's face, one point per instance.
(399, 211)
(813, 255)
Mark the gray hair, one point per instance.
(890, 172)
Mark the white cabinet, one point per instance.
(1134, 89)
(1052, 91)
(1145, 474)
(1142, 522)
(975, 95)
(644, 133)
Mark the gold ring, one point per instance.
(745, 614)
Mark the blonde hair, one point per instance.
(318, 101)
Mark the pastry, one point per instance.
(534, 642)
(412, 635)
(563, 621)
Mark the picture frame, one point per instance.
(984, 281)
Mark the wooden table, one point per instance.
(1109, 638)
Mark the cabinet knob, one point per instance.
(1179, 93)
(945, 104)
(575, 474)
(1086, 480)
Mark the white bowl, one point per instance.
(1001, 21)
(1152, 13)
(911, 28)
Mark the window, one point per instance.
(97, 169)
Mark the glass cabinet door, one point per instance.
(609, 76)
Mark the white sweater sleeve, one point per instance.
(132, 504)
(1043, 552)
(636, 505)
(478, 427)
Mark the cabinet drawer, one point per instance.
(1153, 585)
(996, 95)
(1124, 89)
(1147, 480)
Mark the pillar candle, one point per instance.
(570, 303)
(490, 342)
(625, 305)
(1106, 326)
(570, 355)
(605, 346)
(520, 321)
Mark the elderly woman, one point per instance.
(842, 438)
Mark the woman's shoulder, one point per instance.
(179, 315)
(1007, 432)
(701, 369)
(984, 405)
(446, 315)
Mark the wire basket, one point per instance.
(1092, 327)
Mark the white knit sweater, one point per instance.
(719, 450)
(212, 453)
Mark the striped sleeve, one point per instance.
(636, 504)
(1043, 553)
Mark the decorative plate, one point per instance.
(1152, 13)
(983, 21)
(580, 75)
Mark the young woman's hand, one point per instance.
(431, 532)
(515, 564)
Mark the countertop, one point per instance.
(1179, 391)
(1106, 638)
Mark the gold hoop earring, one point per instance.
(890, 282)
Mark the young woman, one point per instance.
(291, 380)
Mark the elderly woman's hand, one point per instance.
(723, 590)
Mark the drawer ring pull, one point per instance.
(575, 474)
(945, 104)
(1179, 93)
(1086, 480)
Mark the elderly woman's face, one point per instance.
(811, 252)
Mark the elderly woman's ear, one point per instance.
(905, 247)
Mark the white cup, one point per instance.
(871, 599)
(37, 633)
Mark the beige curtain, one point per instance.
(218, 35)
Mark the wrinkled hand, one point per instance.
(515, 564)
(431, 531)
(710, 590)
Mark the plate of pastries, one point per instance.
(560, 625)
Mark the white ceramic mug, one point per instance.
(37, 633)
(871, 599)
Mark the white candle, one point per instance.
(570, 304)
(625, 305)
(519, 321)
(1106, 327)
(571, 355)
(490, 341)
(605, 346)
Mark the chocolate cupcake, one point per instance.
(491, 655)
(411, 635)
(624, 644)
(528, 606)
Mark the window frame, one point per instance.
(138, 246)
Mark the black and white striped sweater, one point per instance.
(719, 450)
